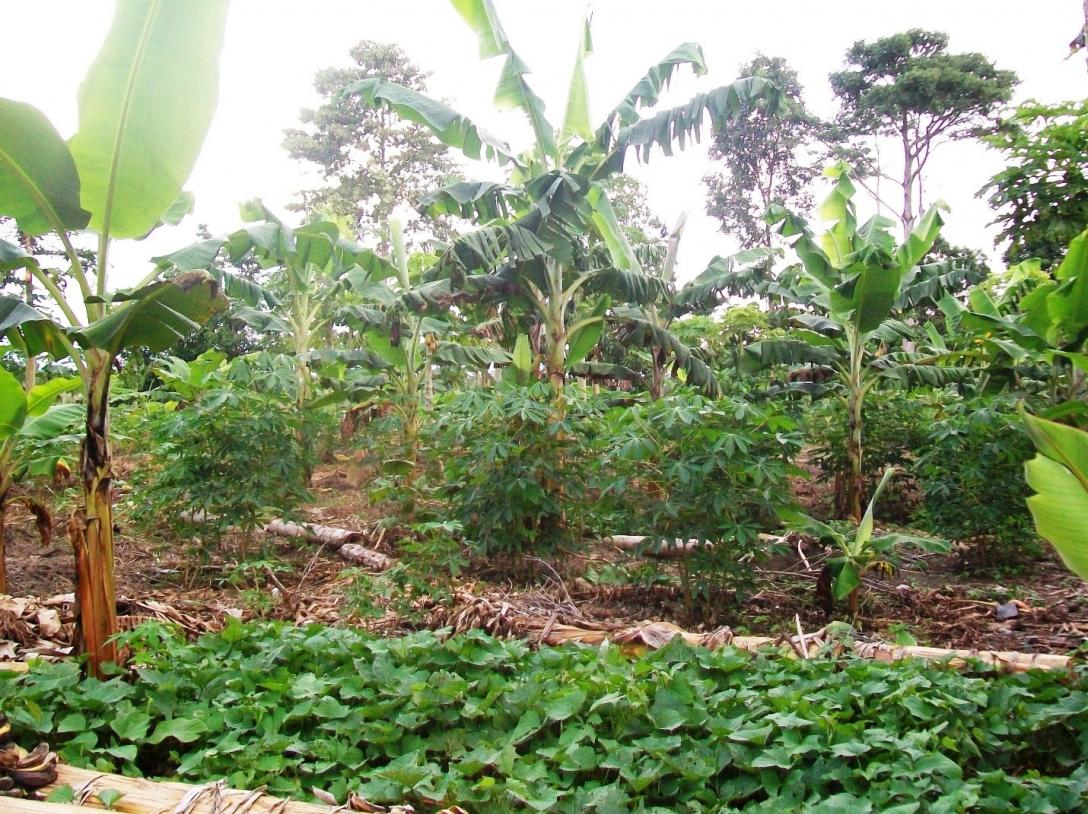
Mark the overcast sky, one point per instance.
(274, 47)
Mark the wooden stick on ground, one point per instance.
(150, 797)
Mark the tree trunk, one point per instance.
(855, 399)
(556, 359)
(657, 386)
(3, 544)
(907, 216)
(91, 528)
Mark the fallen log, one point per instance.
(348, 540)
(678, 547)
(326, 535)
(361, 555)
(638, 542)
(143, 796)
(654, 635)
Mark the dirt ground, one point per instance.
(939, 601)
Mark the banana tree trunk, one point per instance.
(556, 358)
(657, 386)
(91, 529)
(3, 543)
(855, 485)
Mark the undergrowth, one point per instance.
(495, 726)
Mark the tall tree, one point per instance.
(1041, 197)
(908, 87)
(373, 158)
(767, 158)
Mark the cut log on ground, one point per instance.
(326, 535)
(678, 548)
(351, 549)
(150, 797)
(637, 542)
(361, 555)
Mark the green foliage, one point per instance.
(767, 158)
(517, 469)
(1041, 197)
(497, 727)
(685, 468)
(374, 161)
(970, 470)
(1059, 477)
(431, 558)
(234, 458)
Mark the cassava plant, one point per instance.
(144, 108)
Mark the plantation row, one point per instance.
(494, 726)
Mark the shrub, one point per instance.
(971, 471)
(688, 468)
(517, 465)
(233, 458)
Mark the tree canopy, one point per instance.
(374, 159)
(909, 87)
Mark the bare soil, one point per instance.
(940, 601)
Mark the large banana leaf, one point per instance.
(645, 332)
(513, 90)
(677, 126)
(1068, 305)
(261, 321)
(41, 396)
(770, 352)
(12, 405)
(201, 256)
(485, 200)
(1059, 477)
(29, 330)
(608, 227)
(576, 120)
(930, 283)
(155, 316)
(647, 90)
(13, 257)
(144, 109)
(39, 185)
(449, 126)
(54, 422)
(738, 274)
(474, 357)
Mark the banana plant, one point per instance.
(409, 328)
(28, 417)
(535, 245)
(310, 270)
(144, 109)
(861, 551)
(851, 283)
(649, 326)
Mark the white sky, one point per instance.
(274, 47)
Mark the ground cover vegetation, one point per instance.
(525, 416)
